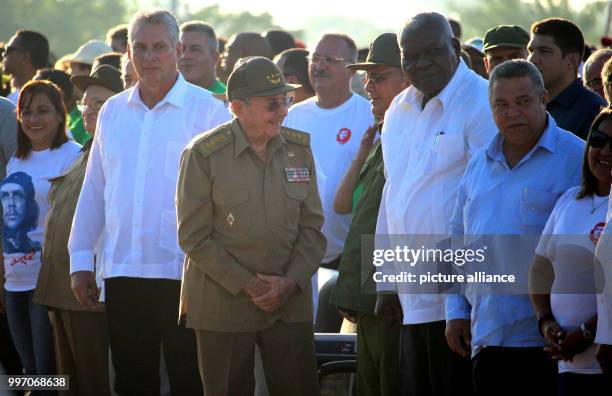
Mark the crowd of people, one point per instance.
(168, 197)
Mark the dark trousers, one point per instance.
(572, 384)
(513, 371)
(428, 366)
(9, 358)
(142, 316)
(31, 331)
(287, 354)
(377, 357)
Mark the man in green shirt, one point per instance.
(360, 192)
(200, 56)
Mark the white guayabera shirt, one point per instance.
(128, 196)
(426, 151)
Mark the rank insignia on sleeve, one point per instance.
(297, 175)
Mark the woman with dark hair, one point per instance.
(562, 283)
(43, 152)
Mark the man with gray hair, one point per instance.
(200, 56)
(127, 199)
(591, 76)
(509, 190)
(431, 130)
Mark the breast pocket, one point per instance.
(448, 150)
(295, 195)
(536, 206)
(232, 213)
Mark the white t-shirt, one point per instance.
(335, 136)
(568, 242)
(24, 201)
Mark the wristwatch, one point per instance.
(586, 333)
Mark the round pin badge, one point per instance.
(343, 136)
(596, 232)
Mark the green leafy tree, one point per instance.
(66, 23)
(480, 15)
(226, 24)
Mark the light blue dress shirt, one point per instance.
(494, 200)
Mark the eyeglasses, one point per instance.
(375, 78)
(274, 105)
(598, 139)
(330, 60)
(95, 106)
(594, 84)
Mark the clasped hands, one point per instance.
(561, 344)
(270, 292)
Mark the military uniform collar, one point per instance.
(241, 142)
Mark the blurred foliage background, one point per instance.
(70, 23)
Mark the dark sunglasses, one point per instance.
(599, 139)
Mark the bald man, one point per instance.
(431, 131)
(242, 45)
(591, 77)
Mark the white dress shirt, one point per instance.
(130, 182)
(426, 151)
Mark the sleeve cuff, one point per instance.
(457, 307)
(236, 279)
(82, 261)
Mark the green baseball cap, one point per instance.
(505, 36)
(256, 76)
(384, 51)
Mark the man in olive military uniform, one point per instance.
(360, 194)
(249, 221)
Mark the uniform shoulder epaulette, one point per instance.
(295, 136)
(212, 141)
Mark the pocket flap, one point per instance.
(230, 196)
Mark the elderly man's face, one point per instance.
(153, 55)
(518, 109)
(93, 99)
(198, 61)
(327, 67)
(13, 204)
(592, 76)
(383, 83)
(497, 56)
(262, 116)
(429, 58)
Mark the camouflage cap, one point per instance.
(384, 51)
(505, 36)
(256, 76)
